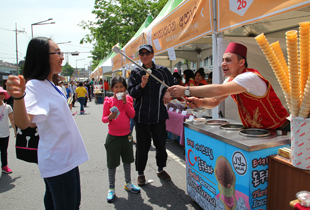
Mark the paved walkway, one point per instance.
(24, 188)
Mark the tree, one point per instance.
(117, 21)
(67, 70)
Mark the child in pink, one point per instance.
(118, 141)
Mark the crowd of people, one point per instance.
(40, 97)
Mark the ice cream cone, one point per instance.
(150, 71)
(227, 207)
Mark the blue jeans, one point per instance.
(82, 102)
(63, 192)
(132, 124)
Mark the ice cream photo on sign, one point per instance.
(226, 179)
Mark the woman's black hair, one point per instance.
(177, 75)
(188, 74)
(118, 79)
(201, 72)
(37, 62)
(80, 84)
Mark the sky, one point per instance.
(66, 14)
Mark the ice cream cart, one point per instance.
(226, 170)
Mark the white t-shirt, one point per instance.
(252, 82)
(4, 120)
(61, 147)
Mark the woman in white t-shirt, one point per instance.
(61, 148)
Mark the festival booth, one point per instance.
(236, 175)
(225, 168)
(102, 71)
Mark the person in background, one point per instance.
(258, 104)
(178, 77)
(88, 85)
(5, 115)
(80, 92)
(209, 80)
(118, 141)
(151, 113)
(86, 95)
(72, 88)
(61, 148)
(61, 87)
(68, 90)
(106, 87)
(189, 77)
(92, 83)
(200, 77)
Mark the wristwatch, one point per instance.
(187, 92)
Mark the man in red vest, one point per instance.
(258, 104)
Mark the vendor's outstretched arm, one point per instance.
(208, 103)
(208, 91)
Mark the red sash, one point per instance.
(264, 111)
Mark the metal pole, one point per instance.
(152, 75)
(16, 48)
(31, 31)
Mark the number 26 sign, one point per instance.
(240, 6)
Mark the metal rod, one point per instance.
(144, 70)
(152, 75)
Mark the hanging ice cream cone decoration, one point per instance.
(275, 65)
(293, 76)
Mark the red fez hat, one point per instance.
(236, 48)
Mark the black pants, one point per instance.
(144, 132)
(4, 143)
(73, 99)
(89, 94)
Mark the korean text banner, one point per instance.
(189, 21)
(132, 49)
(117, 62)
(234, 13)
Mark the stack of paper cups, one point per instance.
(300, 130)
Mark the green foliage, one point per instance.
(116, 22)
(67, 70)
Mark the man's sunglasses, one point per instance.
(61, 54)
(144, 53)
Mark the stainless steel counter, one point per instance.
(234, 138)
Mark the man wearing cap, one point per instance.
(151, 113)
(258, 104)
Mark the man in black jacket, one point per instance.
(151, 113)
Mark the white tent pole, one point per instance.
(216, 75)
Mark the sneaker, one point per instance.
(82, 112)
(6, 170)
(164, 175)
(141, 180)
(111, 196)
(132, 188)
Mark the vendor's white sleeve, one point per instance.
(252, 82)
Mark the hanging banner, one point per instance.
(133, 48)
(191, 20)
(117, 62)
(235, 13)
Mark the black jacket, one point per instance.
(149, 106)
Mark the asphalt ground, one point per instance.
(24, 188)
